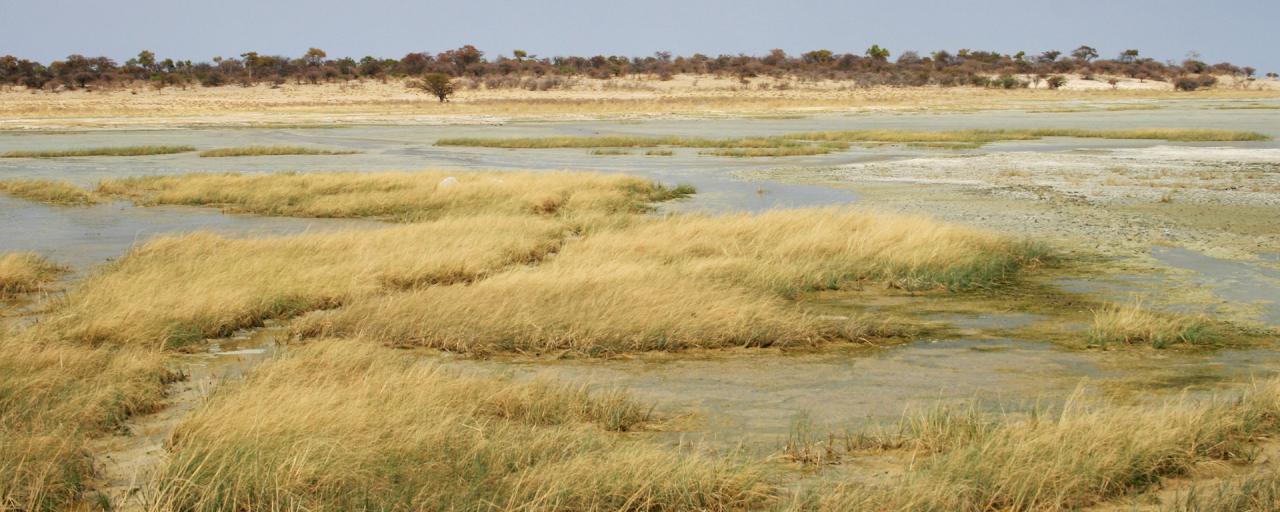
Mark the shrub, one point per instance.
(1056, 81)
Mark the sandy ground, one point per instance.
(376, 102)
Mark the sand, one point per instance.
(377, 102)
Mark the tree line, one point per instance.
(872, 67)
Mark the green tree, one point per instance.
(314, 56)
(878, 53)
(436, 84)
(1085, 53)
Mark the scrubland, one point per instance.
(377, 102)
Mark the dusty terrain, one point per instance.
(375, 102)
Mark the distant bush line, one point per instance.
(873, 67)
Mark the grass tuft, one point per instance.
(48, 191)
(1132, 324)
(1073, 459)
(109, 151)
(270, 151)
(24, 272)
(399, 196)
(348, 425)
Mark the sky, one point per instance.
(1244, 32)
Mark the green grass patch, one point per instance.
(270, 151)
(110, 151)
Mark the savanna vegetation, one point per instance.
(24, 272)
(1073, 457)
(270, 151)
(554, 263)
(107, 151)
(875, 66)
(353, 426)
(48, 191)
(817, 143)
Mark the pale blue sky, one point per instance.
(1241, 31)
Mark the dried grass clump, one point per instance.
(400, 196)
(48, 191)
(25, 272)
(348, 425)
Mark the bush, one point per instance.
(1191, 83)
(1056, 81)
(1007, 81)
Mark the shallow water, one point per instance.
(1236, 281)
(756, 398)
(84, 236)
(733, 398)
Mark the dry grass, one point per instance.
(770, 152)
(52, 398)
(24, 272)
(1253, 493)
(400, 196)
(111, 151)
(818, 143)
(586, 309)
(270, 151)
(1081, 456)
(686, 282)
(610, 152)
(347, 425)
(174, 291)
(1133, 324)
(48, 191)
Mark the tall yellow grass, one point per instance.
(347, 425)
(685, 282)
(24, 272)
(1131, 323)
(403, 196)
(173, 291)
(52, 398)
(270, 151)
(1079, 457)
(47, 191)
(109, 151)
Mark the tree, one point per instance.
(1085, 53)
(147, 60)
(436, 84)
(1128, 56)
(878, 53)
(314, 56)
(1050, 56)
(519, 55)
